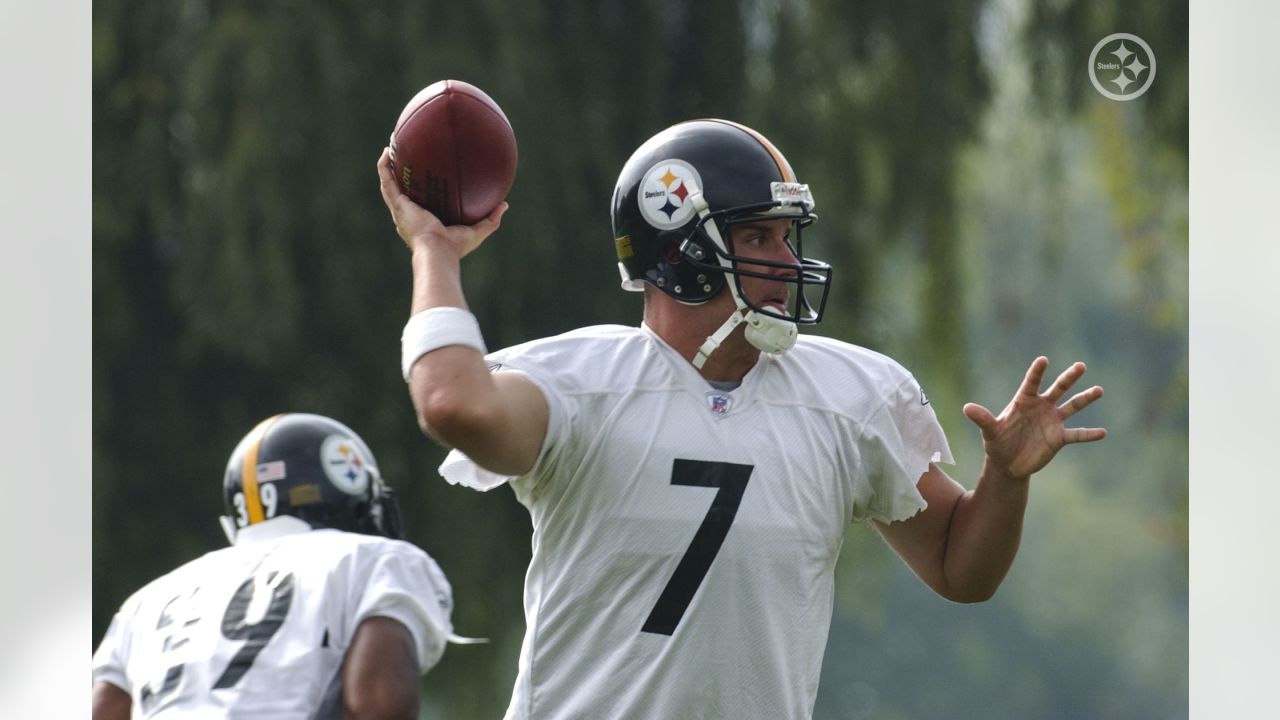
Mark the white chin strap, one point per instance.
(764, 332)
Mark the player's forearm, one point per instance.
(498, 422)
(986, 529)
(445, 384)
(437, 276)
(380, 673)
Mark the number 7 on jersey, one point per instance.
(731, 479)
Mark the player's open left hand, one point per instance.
(1030, 430)
(417, 226)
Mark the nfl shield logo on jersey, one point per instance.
(719, 402)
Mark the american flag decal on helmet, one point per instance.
(271, 471)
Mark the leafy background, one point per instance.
(981, 202)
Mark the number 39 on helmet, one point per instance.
(310, 467)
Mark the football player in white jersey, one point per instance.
(690, 480)
(316, 610)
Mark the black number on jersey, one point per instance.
(732, 479)
(256, 635)
(151, 696)
(183, 604)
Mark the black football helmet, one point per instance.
(313, 468)
(681, 192)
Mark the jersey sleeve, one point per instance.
(458, 469)
(111, 657)
(403, 583)
(896, 445)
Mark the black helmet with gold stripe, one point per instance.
(310, 467)
(677, 198)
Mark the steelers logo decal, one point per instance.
(346, 467)
(664, 194)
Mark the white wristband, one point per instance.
(435, 328)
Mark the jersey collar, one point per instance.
(693, 379)
(271, 529)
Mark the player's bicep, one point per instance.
(510, 436)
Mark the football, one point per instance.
(453, 152)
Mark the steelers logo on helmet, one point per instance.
(664, 194)
(344, 464)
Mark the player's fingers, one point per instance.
(1079, 401)
(980, 416)
(494, 218)
(1035, 375)
(491, 223)
(384, 166)
(386, 181)
(391, 191)
(1083, 435)
(1065, 381)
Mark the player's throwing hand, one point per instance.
(416, 226)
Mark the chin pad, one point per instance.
(770, 334)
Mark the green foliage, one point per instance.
(980, 203)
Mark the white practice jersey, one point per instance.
(260, 629)
(685, 539)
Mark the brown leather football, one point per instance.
(453, 152)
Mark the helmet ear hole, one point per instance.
(671, 249)
(686, 266)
